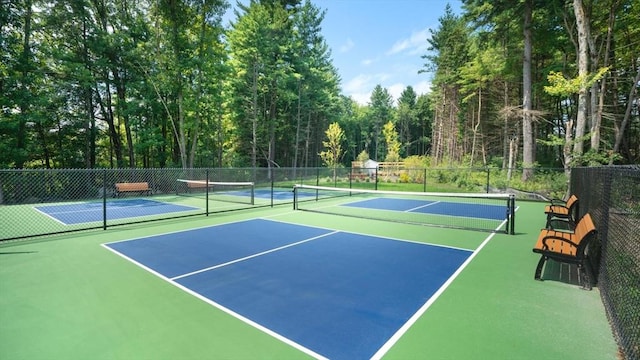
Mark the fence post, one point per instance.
(104, 199)
(512, 206)
(376, 182)
(206, 193)
(424, 181)
(488, 174)
(351, 177)
(295, 198)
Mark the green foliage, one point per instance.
(561, 86)
(391, 140)
(593, 158)
(333, 145)
(155, 84)
(449, 47)
(363, 156)
(380, 112)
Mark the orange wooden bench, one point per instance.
(567, 247)
(140, 187)
(560, 211)
(198, 184)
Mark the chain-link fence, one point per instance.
(612, 196)
(42, 202)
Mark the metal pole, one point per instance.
(104, 199)
(206, 193)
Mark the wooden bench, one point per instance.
(567, 247)
(562, 212)
(140, 187)
(198, 185)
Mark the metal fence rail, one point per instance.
(611, 195)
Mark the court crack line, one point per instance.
(252, 256)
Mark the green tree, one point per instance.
(392, 142)
(407, 119)
(380, 111)
(448, 48)
(424, 118)
(316, 83)
(332, 155)
(477, 78)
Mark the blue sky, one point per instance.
(380, 42)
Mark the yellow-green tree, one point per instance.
(391, 139)
(393, 147)
(333, 152)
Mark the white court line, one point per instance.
(366, 234)
(393, 339)
(50, 216)
(252, 256)
(215, 304)
(422, 206)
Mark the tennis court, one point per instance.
(332, 294)
(277, 283)
(487, 212)
(85, 212)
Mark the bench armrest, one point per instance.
(558, 238)
(556, 202)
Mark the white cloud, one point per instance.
(356, 84)
(367, 62)
(348, 45)
(395, 90)
(361, 98)
(360, 87)
(413, 45)
(423, 87)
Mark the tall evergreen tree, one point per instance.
(380, 112)
(448, 53)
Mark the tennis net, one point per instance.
(486, 212)
(234, 192)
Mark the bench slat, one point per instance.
(567, 247)
(140, 187)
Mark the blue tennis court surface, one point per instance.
(471, 210)
(332, 294)
(78, 213)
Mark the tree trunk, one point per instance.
(296, 149)
(597, 115)
(505, 128)
(627, 115)
(107, 115)
(528, 154)
(254, 120)
(24, 100)
(476, 127)
(583, 62)
(122, 101)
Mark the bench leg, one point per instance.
(584, 269)
(538, 274)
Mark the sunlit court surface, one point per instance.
(434, 277)
(332, 294)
